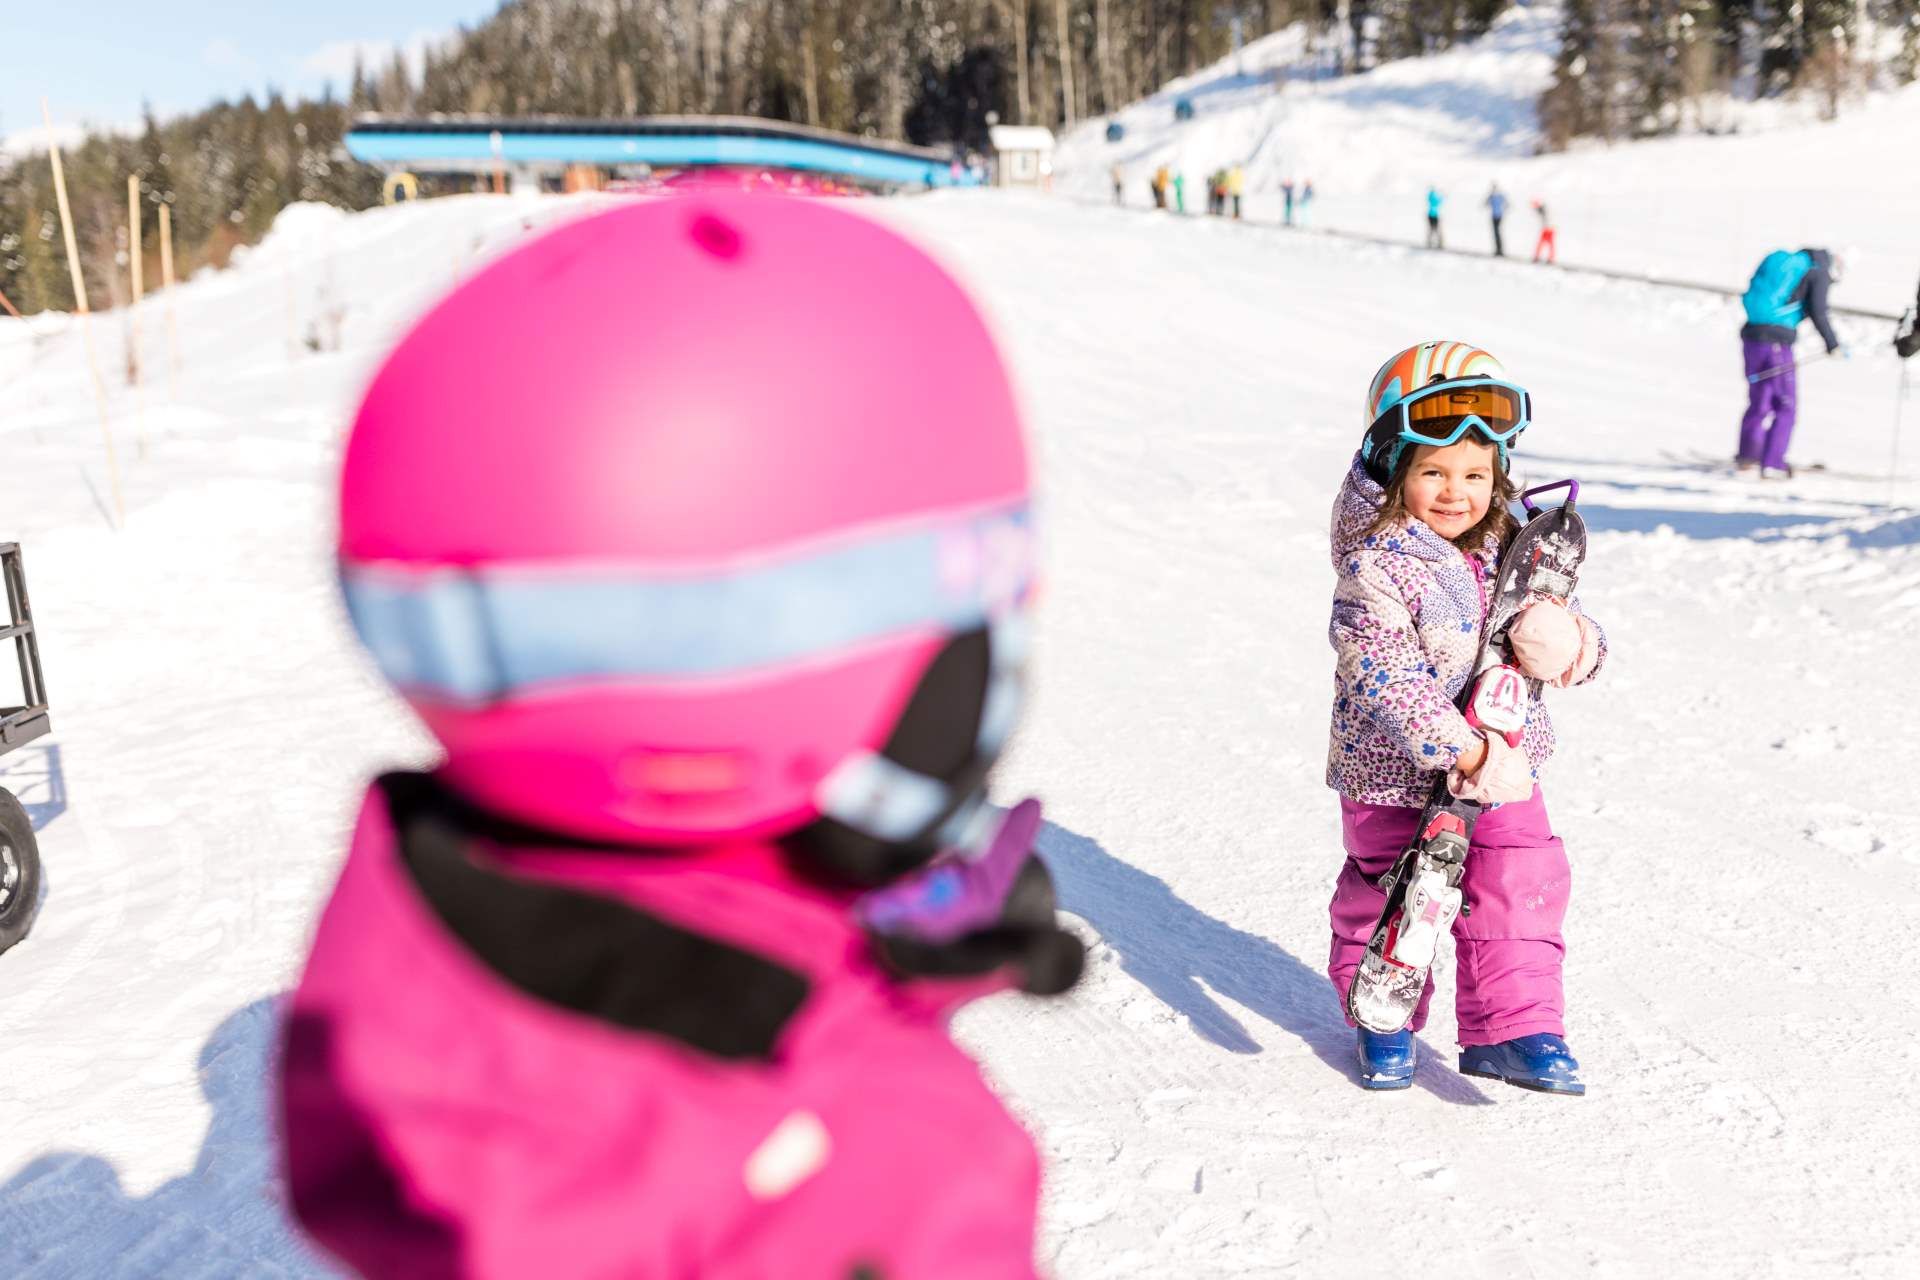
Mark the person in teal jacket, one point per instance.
(1787, 288)
(1434, 199)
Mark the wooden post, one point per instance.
(166, 283)
(80, 309)
(137, 267)
(810, 73)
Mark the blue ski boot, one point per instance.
(1541, 1062)
(1386, 1061)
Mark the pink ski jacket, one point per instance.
(517, 1058)
(1407, 610)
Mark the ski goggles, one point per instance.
(1442, 413)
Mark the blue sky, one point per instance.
(98, 60)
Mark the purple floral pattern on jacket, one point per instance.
(1407, 611)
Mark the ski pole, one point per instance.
(1899, 411)
(1777, 370)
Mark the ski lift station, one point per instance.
(555, 153)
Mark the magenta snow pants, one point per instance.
(1507, 940)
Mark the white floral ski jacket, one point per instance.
(1407, 611)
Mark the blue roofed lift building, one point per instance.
(554, 154)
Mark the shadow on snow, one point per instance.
(35, 777)
(1182, 955)
(66, 1215)
(1751, 526)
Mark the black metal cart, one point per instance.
(19, 852)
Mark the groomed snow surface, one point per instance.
(1737, 794)
(1694, 207)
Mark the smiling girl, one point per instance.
(1418, 530)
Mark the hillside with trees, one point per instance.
(226, 172)
(926, 71)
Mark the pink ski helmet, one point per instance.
(698, 519)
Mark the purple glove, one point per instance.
(971, 912)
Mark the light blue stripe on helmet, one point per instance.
(477, 636)
(1389, 395)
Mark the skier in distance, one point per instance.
(1787, 288)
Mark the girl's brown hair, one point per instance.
(1498, 522)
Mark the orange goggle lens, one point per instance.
(1438, 414)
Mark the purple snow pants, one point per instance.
(1771, 397)
(1508, 946)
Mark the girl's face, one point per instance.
(1450, 486)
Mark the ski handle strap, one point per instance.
(1571, 486)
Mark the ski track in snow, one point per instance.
(1740, 819)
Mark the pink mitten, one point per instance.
(1589, 655)
(1546, 642)
(1504, 776)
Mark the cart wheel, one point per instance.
(19, 871)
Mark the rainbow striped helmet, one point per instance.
(1434, 393)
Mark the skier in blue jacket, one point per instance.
(1786, 288)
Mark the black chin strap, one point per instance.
(596, 956)
(888, 813)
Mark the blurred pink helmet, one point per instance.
(697, 519)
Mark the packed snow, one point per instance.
(1694, 207)
(1735, 794)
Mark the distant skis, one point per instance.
(1715, 464)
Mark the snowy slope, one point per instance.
(1740, 815)
(212, 730)
(1694, 207)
